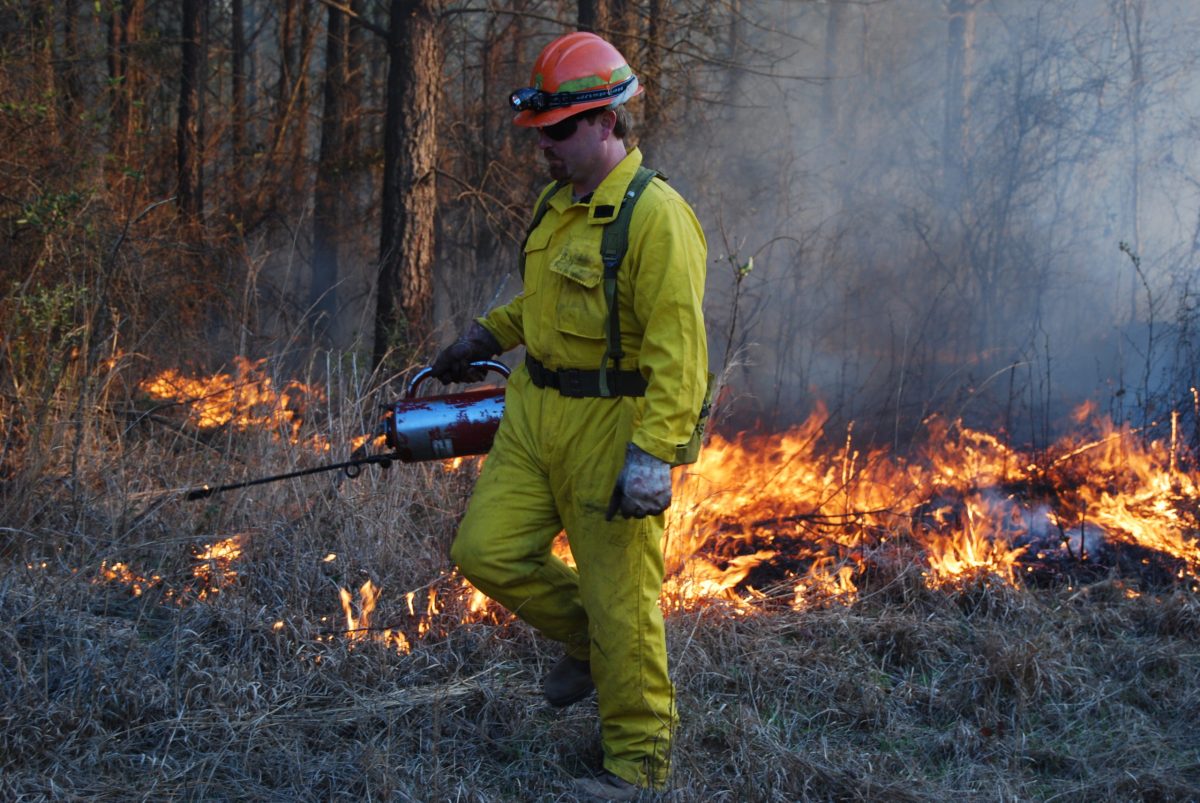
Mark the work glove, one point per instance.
(453, 364)
(643, 486)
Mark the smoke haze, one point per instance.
(984, 209)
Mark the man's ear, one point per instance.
(608, 121)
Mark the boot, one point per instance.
(605, 787)
(569, 681)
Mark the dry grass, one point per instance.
(983, 693)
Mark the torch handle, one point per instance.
(424, 374)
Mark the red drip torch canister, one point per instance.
(441, 427)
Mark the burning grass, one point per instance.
(846, 625)
(908, 694)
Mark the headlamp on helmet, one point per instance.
(535, 100)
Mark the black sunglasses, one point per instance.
(564, 129)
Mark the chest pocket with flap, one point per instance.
(576, 274)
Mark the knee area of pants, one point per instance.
(474, 565)
(463, 557)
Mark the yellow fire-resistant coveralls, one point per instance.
(555, 459)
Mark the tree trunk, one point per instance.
(330, 192)
(356, 43)
(622, 27)
(835, 21)
(288, 124)
(959, 57)
(587, 15)
(189, 138)
(614, 20)
(833, 135)
(732, 49)
(648, 69)
(288, 57)
(285, 167)
(237, 128)
(405, 287)
(298, 157)
(41, 24)
(69, 85)
(124, 31)
(1132, 14)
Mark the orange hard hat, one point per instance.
(574, 73)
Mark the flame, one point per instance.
(245, 399)
(801, 517)
(121, 573)
(1138, 494)
(973, 547)
(702, 579)
(212, 572)
(358, 627)
(214, 569)
(808, 519)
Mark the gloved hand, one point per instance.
(453, 364)
(643, 486)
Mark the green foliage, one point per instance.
(41, 340)
(45, 309)
(51, 210)
(25, 110)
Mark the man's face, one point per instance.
(578, 155)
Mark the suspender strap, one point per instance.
(606, 381)
(612, 250)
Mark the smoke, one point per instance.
(986, 208)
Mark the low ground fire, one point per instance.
(804, 517)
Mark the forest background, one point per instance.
(986, 208)
(983, 209)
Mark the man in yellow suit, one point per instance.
(598, 412)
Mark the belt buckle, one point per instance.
(571, 383)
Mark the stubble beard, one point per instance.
(558, 170)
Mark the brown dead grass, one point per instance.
(981, 693)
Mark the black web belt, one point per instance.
(579, 384)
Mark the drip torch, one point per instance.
(417, 429)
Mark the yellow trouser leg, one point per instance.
(621, 569)
(503, 548)
(553, 467)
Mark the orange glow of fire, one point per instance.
(1140, 494)
(432, 612)
(973, 547)
(966, 502)
(212, 572)
(121, 573)
(214, 569)
(801, 516)
(245, 399)
(358, 626)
